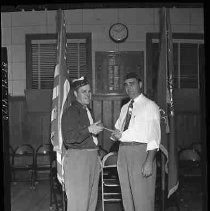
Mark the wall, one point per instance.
(15, 25)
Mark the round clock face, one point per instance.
(118, 32)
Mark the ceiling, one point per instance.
(6, 7)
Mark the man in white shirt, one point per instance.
(138, 130)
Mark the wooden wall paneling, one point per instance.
(116, 111)
(17, 114)
(107, 121)
(46, 128)
(194, 122)
(179, 127)
(35, 123)
(197, 127)
(97, 110)
(187, 128)
(185, 132)
(107, 109)
(38, 110)
(34, 127)
(26, 131)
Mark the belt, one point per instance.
(133, 143)
(79, 149)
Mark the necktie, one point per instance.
(128, 115)
(95, 140)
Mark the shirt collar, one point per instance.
(137, 98)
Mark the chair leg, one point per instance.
(54, 195)
(11, 175)
(35, 177)
(32, 179)
(63, 201)
(14, 178)
(51, 191)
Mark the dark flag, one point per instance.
(165, 101)
(61, 88)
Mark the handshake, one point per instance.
(96, 128)
(116, 135)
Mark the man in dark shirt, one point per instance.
(81, 161)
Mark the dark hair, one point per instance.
(132, 75)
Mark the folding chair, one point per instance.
(189, 165)
(190, 172)
(197, 146)
(111, 191)
(24, 162)
(43, 162)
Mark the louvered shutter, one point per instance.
(77, 58)
(44, 61)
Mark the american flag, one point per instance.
(61, 89)
(165, 101)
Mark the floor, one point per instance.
(23, 198)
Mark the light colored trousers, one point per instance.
(138, 193)
(81, 177)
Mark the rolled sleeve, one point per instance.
(152, 145)
(153, 133)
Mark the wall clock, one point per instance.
(118, 32)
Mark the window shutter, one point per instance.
(44, 61)
(76, 58)
(186, 62)
(43, 64)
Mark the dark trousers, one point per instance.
(138, 193)
(81, 177)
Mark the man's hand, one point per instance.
(96, 128)
(116, 135)
(147, 168)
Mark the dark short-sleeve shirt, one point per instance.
(74, 126)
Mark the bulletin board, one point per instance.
(111, 68)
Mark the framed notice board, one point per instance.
(111, 68)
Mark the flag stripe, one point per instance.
(60, 92)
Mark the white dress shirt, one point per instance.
(144, 126)
(95, 140)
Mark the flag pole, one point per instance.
(163, 159)
(163, 184)
(173, 179)
(165, 101)
(64, 199)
